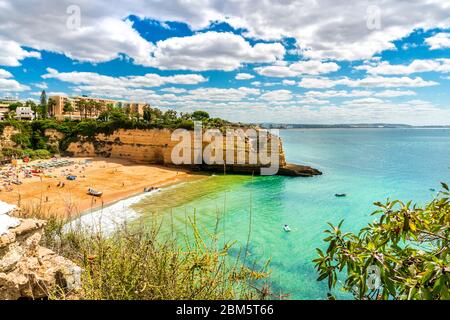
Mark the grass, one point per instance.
(141, 264)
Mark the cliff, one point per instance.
(5, 137)
(28, 270)
(155, 146)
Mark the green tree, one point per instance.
(169, 116)
(98, 107)
(13, 106)
(81, 106)
(43, 106)
(68, 108)
(51, 104)
(200, 115)
(403, 255)
(147, 114)
(34, 107)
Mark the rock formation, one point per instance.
(28, 270)
(155, 146)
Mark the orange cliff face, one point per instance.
(150, 146)
(155, 146)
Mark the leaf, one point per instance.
(445, 186)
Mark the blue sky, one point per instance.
(272, 61)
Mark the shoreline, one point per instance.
(118, 179)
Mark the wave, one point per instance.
(110, 218)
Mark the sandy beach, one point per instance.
(116, 178)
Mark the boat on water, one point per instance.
(94, 193)
(286, 228)
(340, 195)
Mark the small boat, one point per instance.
(286, 228)
(340, 195)
(94, 193)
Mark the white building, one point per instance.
(24, 113)
(4, 106)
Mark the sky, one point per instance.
(283, 61)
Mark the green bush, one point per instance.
(21, 139)
(142, 264)
(403, 255)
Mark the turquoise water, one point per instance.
(367, 164)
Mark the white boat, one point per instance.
(286, 228)
(94, 193)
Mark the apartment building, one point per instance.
(24, 113)
(69, 107)
(4, 106)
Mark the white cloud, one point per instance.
(338, 94)
(10, 85)
(102, 35)
(288, 82)
(372, 81)
(174, 90)
(395, 93)
(323, 29)
(416, 66)
(310, 67)
(317, 83)
(439, 41)
(41, 85)
(5, 74)
(212, 51)
(276, 71)
(295, 111)
(11, 53)
(277, 95)
(313, 101)
(358, 93)
(364, 101)
(244, 76)
(313, 67)
(221, 94)
(148, 80)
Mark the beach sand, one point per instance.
(116, 178)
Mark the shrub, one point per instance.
(141, 264)
(21, 139)
(403, 255)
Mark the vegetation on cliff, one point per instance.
(31, 139)
(143, 264)
(403, 255)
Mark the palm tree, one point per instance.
(81, 106)
(51, 104)
(68, 108)
(99, 107)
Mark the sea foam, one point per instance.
(110, 218)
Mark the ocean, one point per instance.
(366, 164)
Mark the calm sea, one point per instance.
(367, 164)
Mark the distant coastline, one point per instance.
(348, 126)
